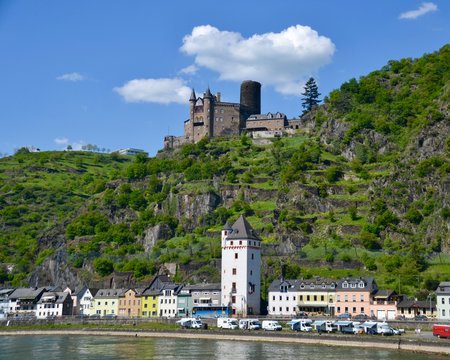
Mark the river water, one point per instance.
(59, 347)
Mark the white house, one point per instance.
(241, 268)
(443, 301)
(168, 300)
(54, 304)
(84, 298)
(282, 298)
(4, 302)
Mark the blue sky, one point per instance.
(118, 74)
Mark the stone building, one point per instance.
(210, 117)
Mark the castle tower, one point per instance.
(192, 101)
(208, 103)
(250, 98)
(241, 268)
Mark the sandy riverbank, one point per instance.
(437, 346)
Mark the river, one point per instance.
(59, 347)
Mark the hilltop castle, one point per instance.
(210, 117)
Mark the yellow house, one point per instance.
(149, 303)
(317, 296)
(106, 302)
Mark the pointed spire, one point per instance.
(227, 226)
(243, 230)
(208, 93)
(193, 97)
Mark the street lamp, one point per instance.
(430, 296)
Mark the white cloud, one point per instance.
(163, 91)
(425, 8)
(61, 141)
(282, 60)
(74, 76)
(189, 70)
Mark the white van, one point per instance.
(271, 325)
(301, 325)
(227, 323)
(249, 324)
(190, 323)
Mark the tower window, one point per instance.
(235, 255)
(234, 271)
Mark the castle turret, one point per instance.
(251, 97)
(209, 112)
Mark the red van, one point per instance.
(441, 331)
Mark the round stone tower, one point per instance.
(251, 97)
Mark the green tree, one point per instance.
(310, 95)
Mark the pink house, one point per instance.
(354, 296)
(384, 305)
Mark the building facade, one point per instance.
(106, 302)
(353, 296)
(282, 297)
(149, 303)
(241, 268)
(130, 303)
(54, 304)
(443, 301)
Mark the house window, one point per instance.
(287, 298)
(234, 271)
(322, 298)
(361, 298)
(361, 285)
(354, 297)
(281, 309)
(281, 298)
(273, 308)
(287, 309)
(293, 298)
(338, 297)
(339, 309)
(345, 298)
(233, 299)
(443, 301)
(301, 297)
(273, 298)
(443, 312)
(354, 310)
(346, 309)
(315, 297)
(353, 286)
(345, 285)
(362, 310)
(308, 298)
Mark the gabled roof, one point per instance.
(241, 229)
(443, 288)
(109, 293)
(27, 293)
(57, 297)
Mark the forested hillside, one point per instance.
(362, 188)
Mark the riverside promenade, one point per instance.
(400, 343)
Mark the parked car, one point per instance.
(302, 315)
(344, 316)
(110, 316)
(361, 317)
(420, 318)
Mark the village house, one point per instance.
(23, 301)
(384, 304)
(54, 304)
(443, 301)
(354, 296)
(168, 300)
(282, 297)
(149, 303)
(410, 309)
(202, 299)
(4, 302)
(84, 299)
(106, 302)
(317, 296)
(130, 303)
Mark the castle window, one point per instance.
(221, 111)
(235, 255)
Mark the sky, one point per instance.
(118, 74)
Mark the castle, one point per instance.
(210, 117)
